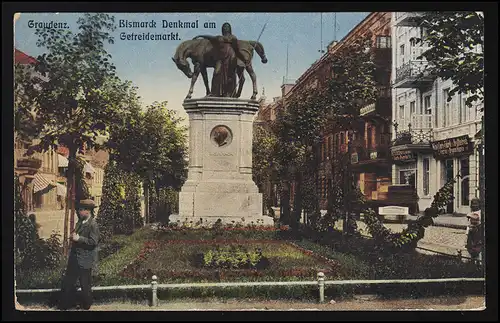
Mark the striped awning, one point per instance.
(40, 183)
(88, 168)
(61, 189)
(62, 161)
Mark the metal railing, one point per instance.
(320, 282)
(422, 133)
(412, 69)
(421, 121)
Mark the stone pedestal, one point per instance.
(219, 183)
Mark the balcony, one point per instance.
(416, 138)
(364, 157)
(29, 164)
(413, 74)
(407, 19)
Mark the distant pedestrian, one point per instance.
(475, 236)
(82, 258)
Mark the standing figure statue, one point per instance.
(228, 53)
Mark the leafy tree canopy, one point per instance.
(455, 40)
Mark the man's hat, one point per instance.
(86, 204)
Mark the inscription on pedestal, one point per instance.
(221, 154)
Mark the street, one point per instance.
(359, 304)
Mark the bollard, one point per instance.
(154, 291)
(321, 286)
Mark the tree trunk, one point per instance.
(146, 202)
(285, 203)
(66, 217)
(345, 226)
(69, 212)
(72, 166)
(297, 208)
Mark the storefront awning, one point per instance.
(62, 161)
(61, 189)
(88, 168)
(40, 183)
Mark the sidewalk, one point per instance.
(359, 304)
(448, 221)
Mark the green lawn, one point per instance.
(174, 261)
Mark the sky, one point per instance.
(148, 64)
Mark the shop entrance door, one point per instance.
(449, 174)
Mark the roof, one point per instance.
(22, 58)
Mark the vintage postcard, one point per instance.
(328, 161)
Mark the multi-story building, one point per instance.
(434, 139)
(370, 158)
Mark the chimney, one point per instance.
(285, 88)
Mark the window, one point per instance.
(426, 166)
(467, 113)
(464, 181)
(428, 111)
(383, 42)
(407, 177)
(342, 138)
(427, 104)
(412, 108)
(446, 107)
(402, 112)
(402, 49)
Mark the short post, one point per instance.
(321, 286)
(154, 291)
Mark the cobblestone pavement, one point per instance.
(447, 219)
(435, 303)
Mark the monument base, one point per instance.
(219, 184)
(210, 220)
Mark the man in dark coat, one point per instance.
(82, 258)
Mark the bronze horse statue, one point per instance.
(203, 55)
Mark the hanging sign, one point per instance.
(452, 147)
(403, 156)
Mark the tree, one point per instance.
(455, 50)
(298, 131)
(152, 145)
(78, 95)
(111, 210)
(264, 162)
(352, 86)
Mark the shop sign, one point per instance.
(403, 155)
(452, 147)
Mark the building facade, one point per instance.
(43, 175)
(370, 158)
(433, 139)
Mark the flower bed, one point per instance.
(177, 259)
(231, 257)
